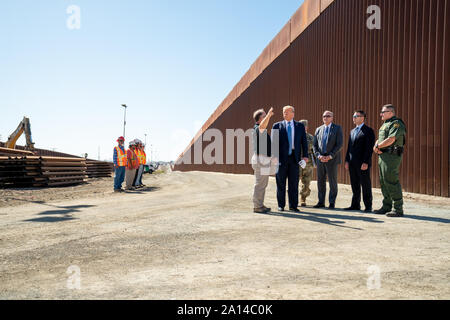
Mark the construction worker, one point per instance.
(120, 162)
(132, 166)
(139, 151)
(143, 161)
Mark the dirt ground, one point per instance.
(194, 236)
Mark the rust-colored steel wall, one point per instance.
(335, 62)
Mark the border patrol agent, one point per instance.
(390, 147)
(306, 174)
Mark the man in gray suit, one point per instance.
(328, 142)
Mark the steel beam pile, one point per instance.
(41, 171)
(14, 152)
(99, 169)
(63, 171)
(20, 173)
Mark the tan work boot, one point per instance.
(263, 209)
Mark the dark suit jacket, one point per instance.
(334, 144)
(300, 141)
(360, 149)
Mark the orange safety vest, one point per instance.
(121, 157)
(134, 160)
(139, 156)
(144, 157)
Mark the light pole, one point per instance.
(145, 139)
(124, 119)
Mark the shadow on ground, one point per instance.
(64, 212)
(325, 218)
(424, 218)
(143, 190)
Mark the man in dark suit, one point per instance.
(358, 161)
(328, 142)
(290, 136)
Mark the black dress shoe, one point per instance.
(368, 210)
(319, 205)
(294, 209)
(331, 206)
(280, 209)
(352, 208)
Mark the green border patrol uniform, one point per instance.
(389, 163)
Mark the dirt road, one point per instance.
(194, 236)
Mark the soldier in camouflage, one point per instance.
(306, 174)
(391, 141)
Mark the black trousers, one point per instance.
(291, 172)
(360, 180)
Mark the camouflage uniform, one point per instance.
(306, 174)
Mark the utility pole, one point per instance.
(145, 139)
(124, 118)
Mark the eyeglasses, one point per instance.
(327, 116)
(383, 112)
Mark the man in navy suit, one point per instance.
(358, 161)
(293, 147)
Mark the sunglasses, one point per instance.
(327, 116)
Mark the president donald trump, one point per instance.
(293, 147)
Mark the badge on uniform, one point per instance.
(397, 125)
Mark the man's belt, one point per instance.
(397, 150)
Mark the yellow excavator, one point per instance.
(23, 127)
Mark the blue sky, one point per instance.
(171, 62)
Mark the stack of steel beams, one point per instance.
(41, 171)
(20, 173)
(14, 152)
(99, 169)
(61, 171)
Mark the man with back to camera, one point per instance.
(358, 161)
(293, 147)
(328, 142)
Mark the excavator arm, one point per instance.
(23, 127)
